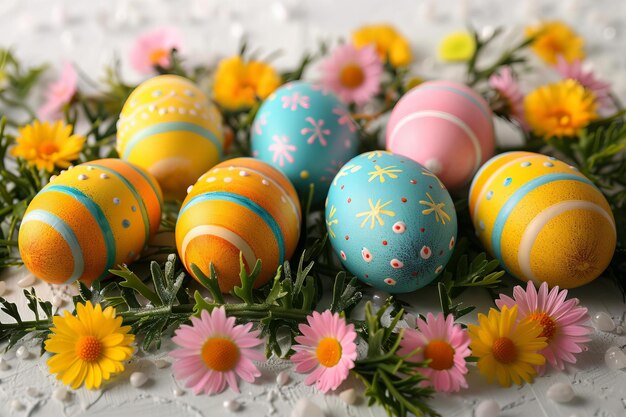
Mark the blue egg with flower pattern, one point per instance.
(307, 133)
(391, 221)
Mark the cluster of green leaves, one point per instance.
(39, 328)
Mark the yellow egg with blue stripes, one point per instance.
(88, 220)
(241, 206)
(542, 219)
(169, 127)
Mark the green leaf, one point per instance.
(210, 283)
(247, 281)
(132, 281)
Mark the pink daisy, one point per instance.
(59, 93)
(154, 48)
(327, 344)
(214, 351)
(353, 74)
(563, 321)
(509, 90)
(574, 70)
(446, 345)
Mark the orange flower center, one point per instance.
(440, 353)
(547, 323)
(89, 348)
(328, 352)
(504, 350)
(351, 76)
(220, 354)
(157, 55)
(48, 148)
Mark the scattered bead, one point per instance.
(349, 396)
(561, 392)
(138, 379)
(22, 352)
(17, 405)
(32, 392)
(178, 392)
(487, 408)
(161, 363)
(271, 395)
(306, 408)
(282, 378)
(603, 322)
(57, 301)
(82, 177)
(60, 394)
(104, 176)
(615, 358)
(3, 288)
(379, 297)
(4, 365)
(27, 281)
(231, 405)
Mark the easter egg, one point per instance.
(169, 127)
(445, 126)
(307, 133)
(245, 206)
(391, 221)
(88, 220)
(542, 219)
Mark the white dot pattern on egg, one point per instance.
(391, 221)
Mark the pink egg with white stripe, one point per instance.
(445, 126)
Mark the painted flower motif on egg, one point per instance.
(445, 126)
(391, 221)
(542, 219)
(169, 127)
(245, 206)
(307, 133)
(88, 220)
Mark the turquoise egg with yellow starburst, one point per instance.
(391, 221)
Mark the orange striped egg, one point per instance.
(169, 127)
(88, 220)
(240, 206)
(542, 219)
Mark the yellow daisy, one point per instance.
(560, 109)
(389, 43)
(48, 145)
(457, 47)
(88, 347)
(506, 351)
(238, 83)
(554, 39)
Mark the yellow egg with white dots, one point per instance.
(169, 127)
(542, 219)
(88, 220)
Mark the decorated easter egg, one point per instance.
(241, 206)
(169, 127)
(391, 221)
(88, 220)
(445, 126)
(307, 133)
(542, 219)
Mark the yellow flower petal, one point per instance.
(554, 39)
(389, 43)
(457, 47)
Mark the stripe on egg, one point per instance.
(517, 197)
(133, 190)
(152, 184)
(248, 204)
(99, 217)
(537, 224)
(168, 127)
(68, 235)
(223, 233)
(464, 94)
(444, 116)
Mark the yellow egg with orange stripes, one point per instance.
(542, 219)
(88, 220)
(240, 206)
(169, 127)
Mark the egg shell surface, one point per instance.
(169, 127)
(391, 221)
(88, 220)
(542, 219)
(445, 126)
(245, 206)
(307, 133)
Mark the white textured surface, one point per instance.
(90, 33)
